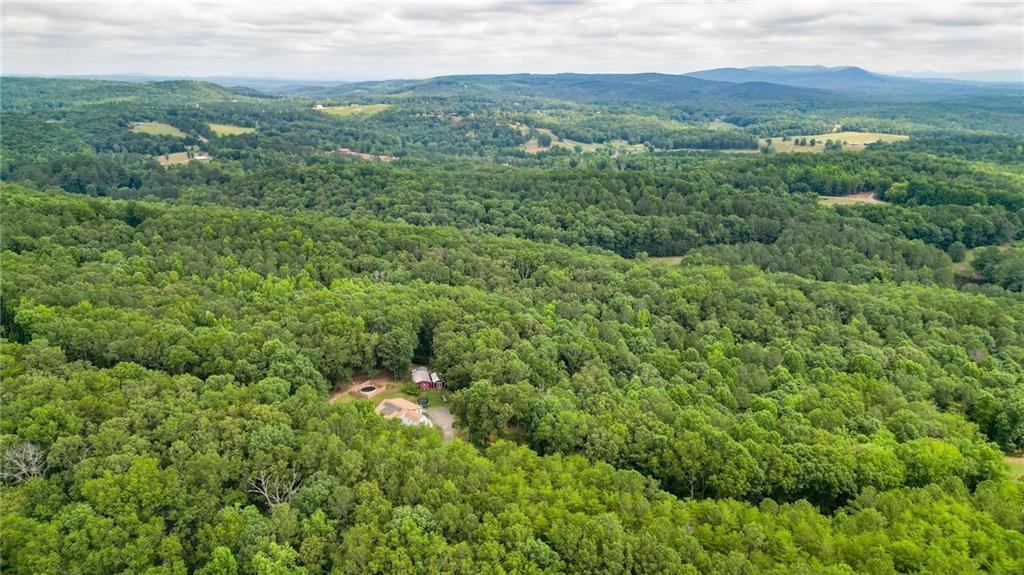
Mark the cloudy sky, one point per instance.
(351, 41)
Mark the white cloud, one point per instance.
(419, 39)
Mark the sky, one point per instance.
(378, 40)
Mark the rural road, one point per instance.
(443, 419)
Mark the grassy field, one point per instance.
(1016, 465)
(722, 125)
(964, 269)
(229, 130)
(394, 389)
(157, 129)
(532, 146)
(665, 260)
(854, 141)
(364, 156)
(182, 158)
(353, 109)
(864, 198)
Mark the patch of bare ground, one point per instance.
(862, 198)
(363, 156)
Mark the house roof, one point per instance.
(412, 417)
(395, 407)
(404, 410)
(420, 374)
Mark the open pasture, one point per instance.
(665, 260)
(1016, 465)
(176, 158)
(230, 130)
(157, 129)
(354, 109)
(854, 141)
(532, 146)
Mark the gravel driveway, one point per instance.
(443, 419)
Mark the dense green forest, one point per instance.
(666, 351)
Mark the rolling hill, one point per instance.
(624, 89)
(848, 79)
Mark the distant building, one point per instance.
(407, 412)
(318, 106)
(421, 377)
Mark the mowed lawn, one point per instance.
(393, 389)
(353, 109)
(157, 129)
(851, 141)
(229, 130)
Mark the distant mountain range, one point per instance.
(265, 85)
(847, 79)
(1008, 75)
(804, 85)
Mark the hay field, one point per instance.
(852, 141)
(229, 130)
(353, 109)
(157, 129)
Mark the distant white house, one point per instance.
(318, 106)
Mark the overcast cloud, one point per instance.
(354, 41)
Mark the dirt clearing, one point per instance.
(862, 198)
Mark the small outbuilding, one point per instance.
(421, 377)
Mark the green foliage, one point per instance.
(805, 392)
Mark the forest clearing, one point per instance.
(230, 130)
(852, 141)
(356, 109)
(157, 129)
(861, 198)
(536, 145)
(1016, 464)
(178, 158)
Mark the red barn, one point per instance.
(421, 377)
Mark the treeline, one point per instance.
(988, 147)
(601, 126)
(1003, 267)
(762, 207)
